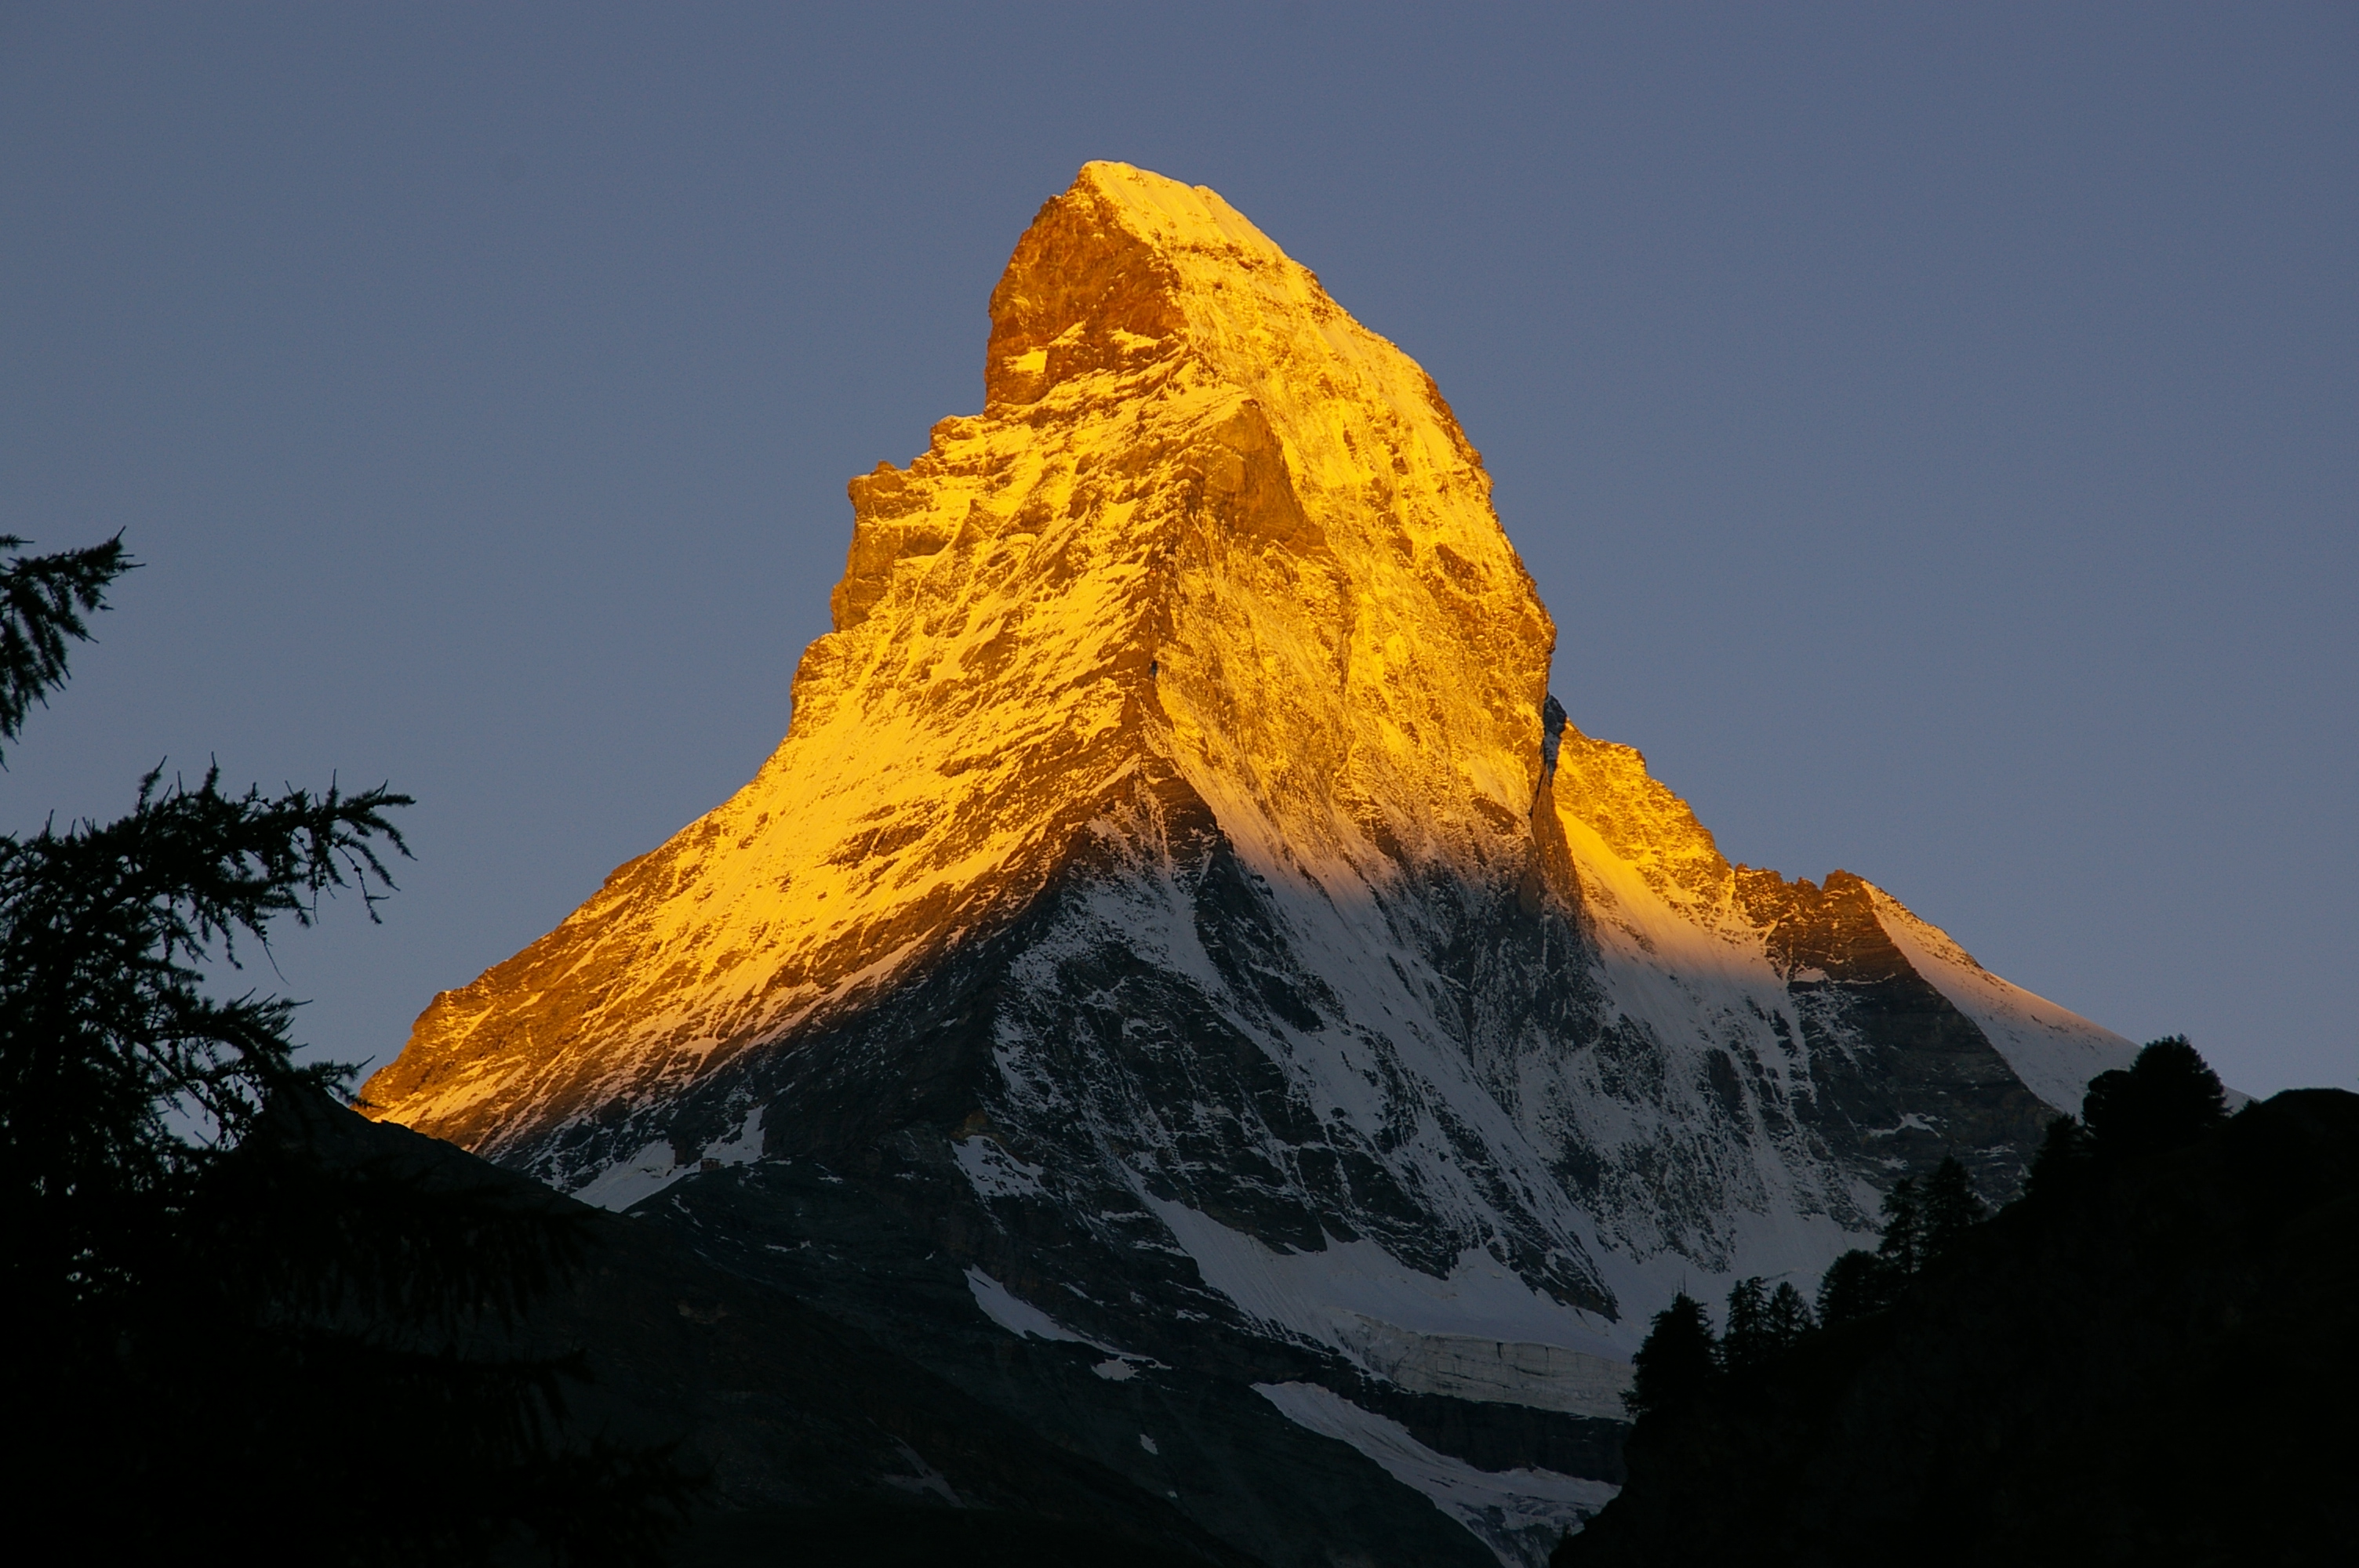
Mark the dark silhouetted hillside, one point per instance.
(2153, 1359)
(816, 1445)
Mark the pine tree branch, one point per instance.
(42, 601)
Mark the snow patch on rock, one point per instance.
(1016, 1315)
(1519, 1514)
(993, 1172)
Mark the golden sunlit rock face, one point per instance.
(1207, 528)
(1200, 655)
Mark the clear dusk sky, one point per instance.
(1935, 429)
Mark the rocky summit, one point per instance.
(1184, 979)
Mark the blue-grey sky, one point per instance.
(1936, 430)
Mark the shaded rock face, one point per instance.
(1179, 909)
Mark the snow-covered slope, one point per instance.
(1179, 897)
(2053, 1051)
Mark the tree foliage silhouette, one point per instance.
(2028, 1399)
(1746, 1345)
(42, 601)
(231, 1342)
(1855, 1285)
(2165, 1099)
(1952, 1206)
(1673, 1369)
(1787, 1318)
(2064, 1156)
(1902, 1247)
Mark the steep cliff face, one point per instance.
(1211, 545)
(1180, 905)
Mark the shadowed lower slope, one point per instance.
(815, 1444)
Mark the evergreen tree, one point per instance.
(1855, 1285)
(2167, 1098)
(231, 1346)
(1859, 1284)
(2064, 1156)
(1747, 1347)
(1952, 1206)
(1902, 1247)
(107, 1039)
(1673, 1369)
(42, 601)
(1787, 1318)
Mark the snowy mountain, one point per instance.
(1180, 929)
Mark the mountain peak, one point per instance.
(1106, 272)
(1212, 552)
(1213, 562)
(1180, 925)
(1211, 597)
(1126, 264)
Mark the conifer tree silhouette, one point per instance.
(1855, 1285)
(1747, 1345)
(2063, 1157)
(2167, 1098)
(42, 601)
(1902, 1247)
(1673, 1369)
(1788, 1316)
(1859, 1284)
(1952, 1206)
(230, 1344)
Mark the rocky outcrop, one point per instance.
(1180, 904)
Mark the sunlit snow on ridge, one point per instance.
(2053, 1050)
